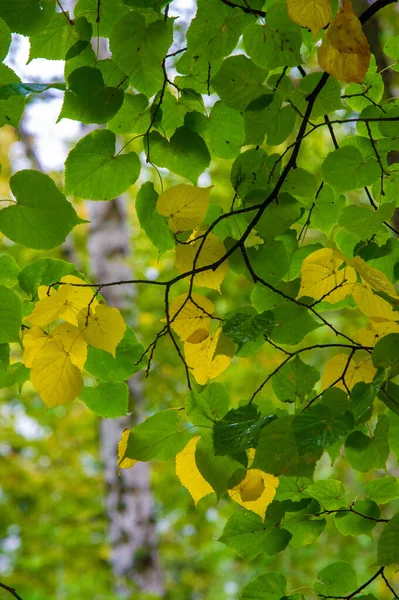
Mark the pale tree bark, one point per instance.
(133, 538)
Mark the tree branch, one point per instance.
(11, 590)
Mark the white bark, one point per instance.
(134, 551)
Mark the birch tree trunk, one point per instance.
(133, 538)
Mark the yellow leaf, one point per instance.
(372, 305)
(369, 336)
(33, 341)
(362, 370)
(185, 205)
(66, 303)
(49, 308)
(104, 329)
(313, 14)
(56, 379)
(70, 338)
(345, 51)
(373, 277)
(188, 473)
(203, 361)
(255, 492)
(191, 317)
(78, 299)
(124, 463)
(321, 274)
(211, 251)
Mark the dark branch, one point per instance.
(11, 590)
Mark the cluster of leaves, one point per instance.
(309, 240)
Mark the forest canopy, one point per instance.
(249, 344)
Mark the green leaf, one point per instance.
(305, 529)
(221, 472)
(10, 315)
(389, 394)
(243, 327)
(383, 490)
(15, 374)
(224, 133)
(328, 206)
(326, 102)
(339, 579)
(278, 216)
(388, 548)
(88, 99)
(54, 41)
(93, 171)
(205, 407)
(318, 427)
(361, 401)
(277, 451)
(107, 399)
(215, 30)
(27, 16)
(133, 117)
(294, 380)
(292, 324)
(185, 154)
(386, 353)
(105, 367)
(139, 48)
(238, 82)
(41, 217)
(248, 536)
(250, 171)
(238, 430)
(270, 261)
(151, 221)
(5, 39)
(24, 89)
(301, 184)
(369, 92)
(364, 453)
(349, 523)
(345, 169)
(393, 435)
(158, 437)
(9, 271)
(269, 586)
(330, 493)
(44, 271)
(110, 13)
(11, 109)
(266, 116)
(275, 44)
(363, 222)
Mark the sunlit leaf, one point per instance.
(188, 473)
(103, 328)
(185, 205)
(323, 277)
(192, 314)
(54, 376)
(255, 492)
(209, 252)
(204, 361)
(345, 51)
(313, 14)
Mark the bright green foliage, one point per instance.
(248, 536)
(158, 437)
(41, 217)
(107, 399)
(92, 171)
(282, 284)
